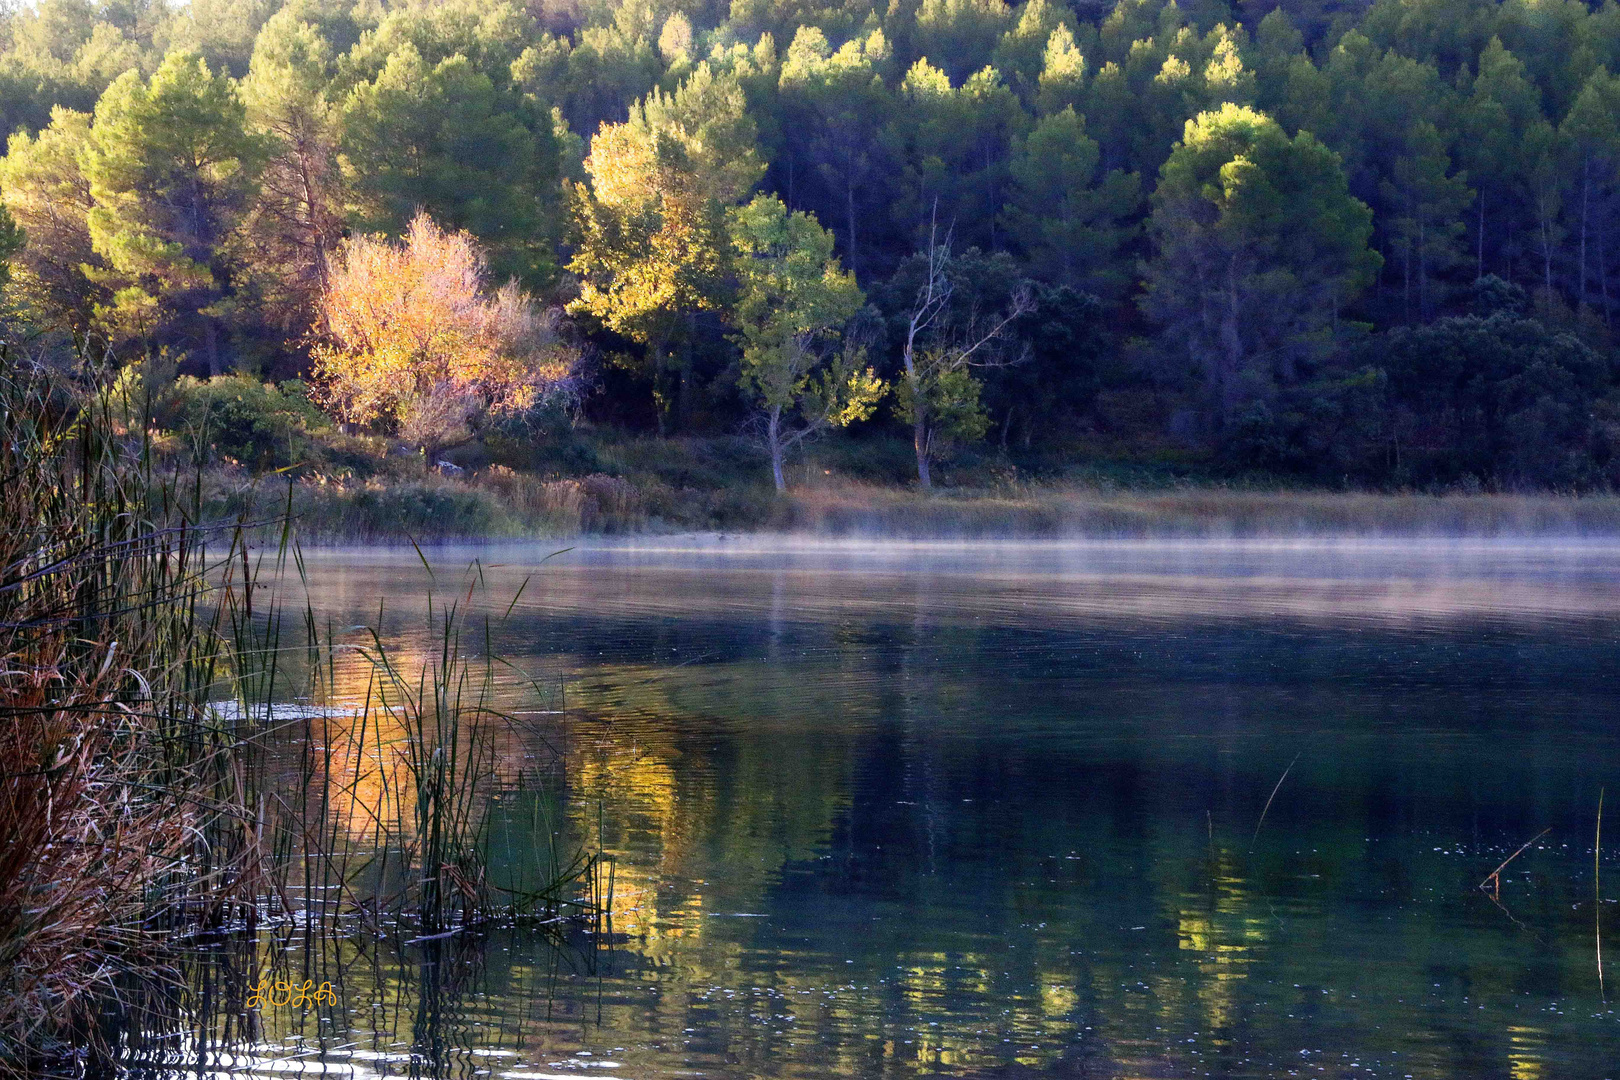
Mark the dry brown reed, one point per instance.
(594, 503)
(145, 830)
(121, 821)
(1493, 880)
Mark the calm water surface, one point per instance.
(900, 810)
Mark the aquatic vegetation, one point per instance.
(122, 822)
(147, 827)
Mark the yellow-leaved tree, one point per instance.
(652, 242)
(417, 342)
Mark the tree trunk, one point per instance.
(661, 404)
(1423, 270)
(211, 341)
(1603, 272)
(773, 437)
(1586, 194)
(919, 420)
(1406, 277)
(1231, 340)
(849, 210)
(1546, 254)
(315, 213)
(683, 373)
(919, 440)
(1479, 262)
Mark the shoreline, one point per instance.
(1057, 515)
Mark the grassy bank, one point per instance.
(497, 503)
(265, 452)
(1053, 512)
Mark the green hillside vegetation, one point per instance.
(658, 260)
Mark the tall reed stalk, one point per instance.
(122, 824)
(147, 826)
(398, 786)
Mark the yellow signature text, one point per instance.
(298, 995)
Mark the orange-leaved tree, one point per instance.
(416, 341)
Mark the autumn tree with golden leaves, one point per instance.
(418, 343)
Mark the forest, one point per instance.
(1346, 244)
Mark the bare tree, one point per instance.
(938, 391)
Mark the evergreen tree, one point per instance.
(1069, 218)
(1426, 198)
(1592, 131)
(1502, 111)
(296, 220)
(171, 169)
(1063, 73)
(841, 160)
(956, 142)
(959, 36)
(1258, 245)
(444, 138)
(652, 244)
(1021, 55)
(47, 195)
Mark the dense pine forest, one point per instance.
(1349, 244)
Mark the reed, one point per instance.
(121, 795)
(1493, 880)
(161, 805)
(397, 780)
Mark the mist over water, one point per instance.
(895, 809)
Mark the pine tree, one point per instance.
(172, 170)
(1427, 198)
(1503, 108)
(652, 245)
(296, 220)
(443, 137)
(1258, 245)
(1592, 131)
(47, 195)
(1066, 215)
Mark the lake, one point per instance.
(1107, 809)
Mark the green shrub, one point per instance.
(256, 424)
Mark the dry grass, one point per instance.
(144, 832)
(595, 503)
(121, 823)
(500, 502)
(1038, 511)
(496, 502)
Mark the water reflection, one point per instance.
(901, 810)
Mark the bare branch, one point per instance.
(1021, 304)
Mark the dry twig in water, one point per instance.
(1267, 808)
(1496, 875)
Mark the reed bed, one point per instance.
(121, 794)
(396, 779)
(161, 806)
